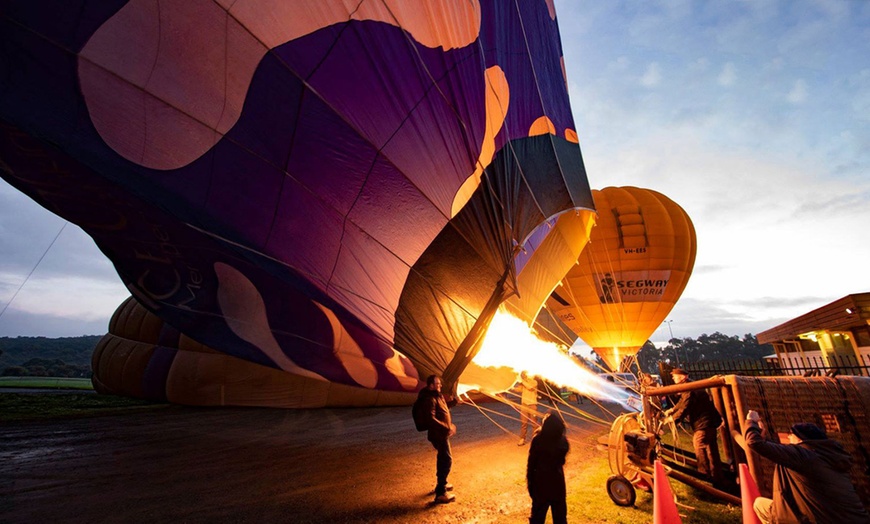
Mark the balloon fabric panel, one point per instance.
(282, 185)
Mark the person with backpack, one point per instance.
(432, 415)
(545, 473)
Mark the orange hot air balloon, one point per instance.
(638, 261)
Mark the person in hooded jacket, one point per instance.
(545, 475)
(440, 429)
(811, 481)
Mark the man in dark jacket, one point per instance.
(698, 408)
(440, 429)
(811, 479)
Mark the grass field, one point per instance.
(588, 502)
(27, 406)
(46, 382)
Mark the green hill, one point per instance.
(75, 351)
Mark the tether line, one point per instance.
(33, 269)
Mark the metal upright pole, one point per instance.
(676, 353)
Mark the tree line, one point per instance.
(71, 356)
(47, 357)
(706, 348)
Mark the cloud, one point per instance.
(728, 75)
(709, 268)
(693, 317)
(66, 296)
(67, 286)
(798, 93)
(653, 75)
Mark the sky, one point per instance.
(754, 116)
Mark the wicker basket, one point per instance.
(839, 405)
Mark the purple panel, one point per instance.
(244, 195)
(169, 336)
(368, 280)
(156, 372)
(329, 157)
(268, 123)
(371, 78)
(307, 233)
(393, 212)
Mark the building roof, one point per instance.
(849, 312)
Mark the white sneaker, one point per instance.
(445, 498)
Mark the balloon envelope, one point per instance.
(333, 191)
(639, 258)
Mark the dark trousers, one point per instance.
(442, 464)
(707, 452)
(540, 507)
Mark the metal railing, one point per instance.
(807, 366)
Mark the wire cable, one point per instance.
(33, 269)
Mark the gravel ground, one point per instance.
(182, 464)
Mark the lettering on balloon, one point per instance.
(167, 276)
(632, 286)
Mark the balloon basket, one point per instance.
(637, 440)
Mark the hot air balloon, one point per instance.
(639, 258)
(334, 191)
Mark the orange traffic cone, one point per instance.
(748, 493)
(664, 506)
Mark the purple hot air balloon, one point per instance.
(318, 193)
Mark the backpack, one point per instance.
(420, 413)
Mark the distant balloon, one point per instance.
(637, 264)
(335, 191)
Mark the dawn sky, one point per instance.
(753, 116)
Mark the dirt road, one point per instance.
(179, 464)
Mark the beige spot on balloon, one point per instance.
(245, 313)
(164, 80)
(564, 72)
(542, 126)
(395, 366)
(497, 100)
(551, 7)
(348, 352)
(571, 136)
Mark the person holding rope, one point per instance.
(440, 429)
(528, 406)
(698, 408)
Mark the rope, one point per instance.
(580, 414)
(33, 269)
(473, 403)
